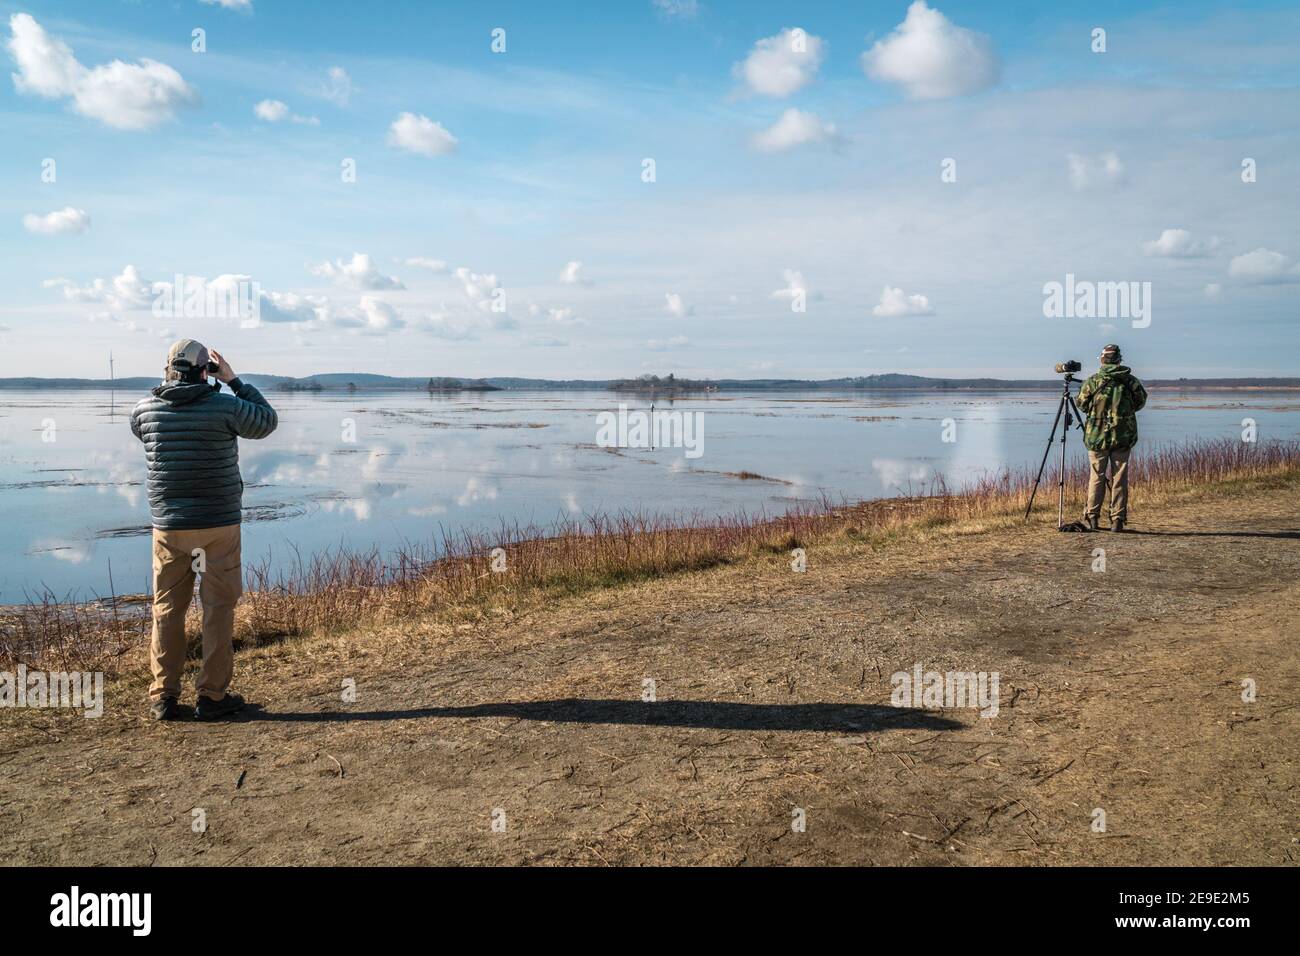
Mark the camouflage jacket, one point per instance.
(1110, 400)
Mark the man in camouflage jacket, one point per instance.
(1111, 399)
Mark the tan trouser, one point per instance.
(1118, 461)
(213, 553)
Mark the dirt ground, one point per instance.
(1121, 691)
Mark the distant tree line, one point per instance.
(667, 383)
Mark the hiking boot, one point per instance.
(1117, 525)
(208, 709)
(1091, 524)
(165, 708)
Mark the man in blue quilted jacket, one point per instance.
(190, 431)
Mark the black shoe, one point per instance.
(1117, 525)
(1091, 524)
(208, 709)
(165, 708)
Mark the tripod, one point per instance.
(1070, 412)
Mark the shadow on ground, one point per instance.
(711, 715)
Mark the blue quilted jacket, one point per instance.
(189, 433)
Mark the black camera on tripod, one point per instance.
(1067, 368)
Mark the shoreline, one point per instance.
(466, 575)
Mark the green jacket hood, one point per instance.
(1115, 371)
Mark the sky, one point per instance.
(714, 189)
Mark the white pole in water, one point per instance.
(111, 378)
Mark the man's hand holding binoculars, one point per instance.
(223, 372)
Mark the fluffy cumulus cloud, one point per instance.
(796, 128)
(276, 111)
(674, 305)
(782, 64)
(273, 111)
(795, 287)
(1090, 172)
(895, 302)
(1264, 266)
(58, 223)
(1180, 244)
(931, 57)
(481, 290)
(360, 272)
(420, 135)
(381, 317)
(281, 307)
(131, 96)
(572, 274)
(124, 291)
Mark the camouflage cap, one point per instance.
(1111, 354)
(187, 353)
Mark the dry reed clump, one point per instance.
(454, 576)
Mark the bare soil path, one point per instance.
(1121, 692)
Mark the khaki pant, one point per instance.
(213, 553)
(1117, 459)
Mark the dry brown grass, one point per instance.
(453, 579)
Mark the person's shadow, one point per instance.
(699, 714)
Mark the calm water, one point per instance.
(73, 499)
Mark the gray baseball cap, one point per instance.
(187, 353)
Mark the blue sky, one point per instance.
(798, 153)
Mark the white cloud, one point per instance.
(1090, 171)
(381, 317)
(338, 86)
(570, 275)
(546, 342)
(794, 286)
(894, 303)
(1263, 266)
(479, 289)
(432, 265)
(1213, 290)
(1180, 244)
(132, 96)
(124, 291)
(420, 135)
(564, 316)
(58, 223)
(360, 271)
(677, 9)
(796, 128)
(231, 4)
(931, 57)
(676, 306)
(280, 307)
(781, 64)
(664, 345)
(275, 111)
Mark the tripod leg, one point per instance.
(1043, 464)
(1060, 484)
